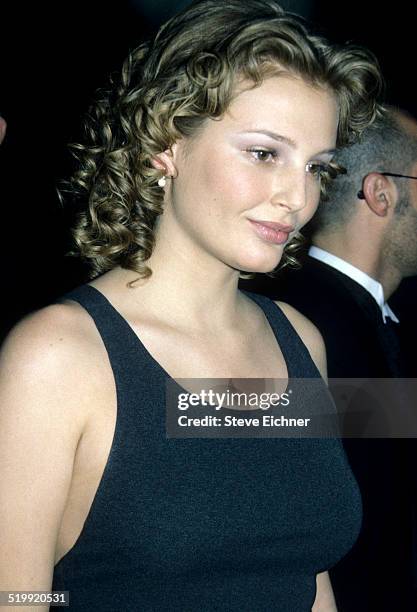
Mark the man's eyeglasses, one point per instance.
(361, 195)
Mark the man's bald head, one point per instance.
(406, 122)
(389, 145)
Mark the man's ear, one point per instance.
(166, 161)
(381, 195)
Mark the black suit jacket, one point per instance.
(377, 573)
(345, 314)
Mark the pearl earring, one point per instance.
(162, 181)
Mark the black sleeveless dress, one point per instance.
(204, 525)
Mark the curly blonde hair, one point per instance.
(166, 91)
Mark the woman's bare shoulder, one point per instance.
(45, 338)
(309, 334)
(50, 352)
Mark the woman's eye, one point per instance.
(263, 155)
(319, 171)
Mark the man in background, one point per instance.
(364, 239)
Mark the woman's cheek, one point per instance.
(233, 181)
(310, 211)
(249, 185)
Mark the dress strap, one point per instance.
(123, 346)
(296, 354)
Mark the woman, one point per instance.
(203, 162)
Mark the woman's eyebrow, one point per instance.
(288, 141)
(274, 136)
(328, 152)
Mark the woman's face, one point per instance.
(258, 165)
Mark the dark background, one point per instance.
(53, 58)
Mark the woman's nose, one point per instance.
(292, 191)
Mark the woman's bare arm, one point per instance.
(324, 601)
(41, 420)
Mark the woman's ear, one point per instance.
(166, 161)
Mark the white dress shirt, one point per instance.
(367, 282)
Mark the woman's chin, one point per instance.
(259, 264)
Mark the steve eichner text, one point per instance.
(232, 421)
(227, 398)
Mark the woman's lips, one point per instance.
(277, 233)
